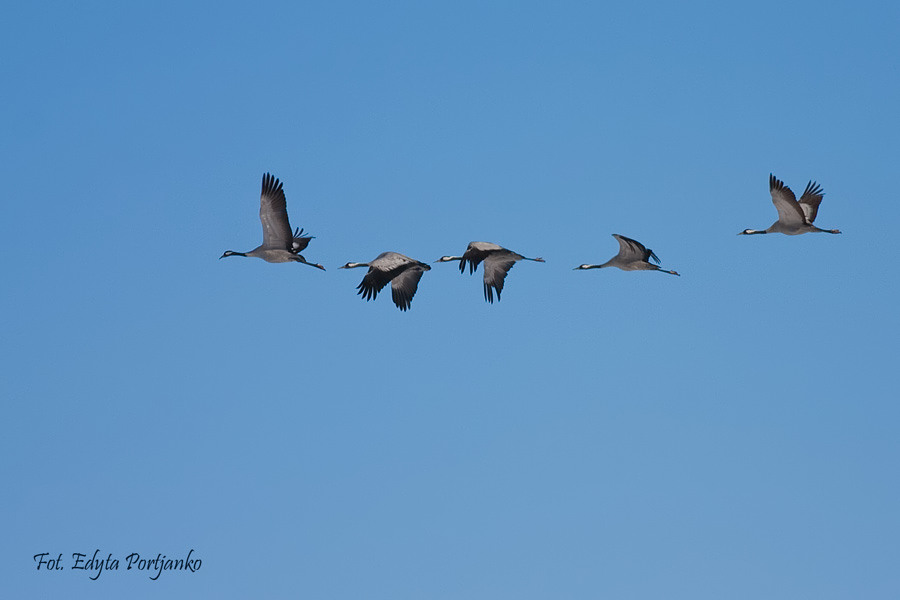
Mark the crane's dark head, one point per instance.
(231, 253)
(750, 232)
(585, 267)
(353, 265)
(448, 258)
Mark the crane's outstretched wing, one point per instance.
(404, 285)
(632, 250)
(372, 283)
(789, 211)
(810, 200)
(273, 215)
(496, 266)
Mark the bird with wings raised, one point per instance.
(794, 217)
(280, 244)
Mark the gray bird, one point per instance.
(794, 217)
(632, 256)
(401, 271)
(279, 244)
(497, 263)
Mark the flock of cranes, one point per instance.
(282, 244)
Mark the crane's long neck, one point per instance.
(534, 259)
(462, 264)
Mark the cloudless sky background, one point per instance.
(731, 433)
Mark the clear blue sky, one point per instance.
(731, 433)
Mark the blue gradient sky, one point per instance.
(727, 434)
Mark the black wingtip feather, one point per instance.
(489, 293)
(367, 292)
(775, 183)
